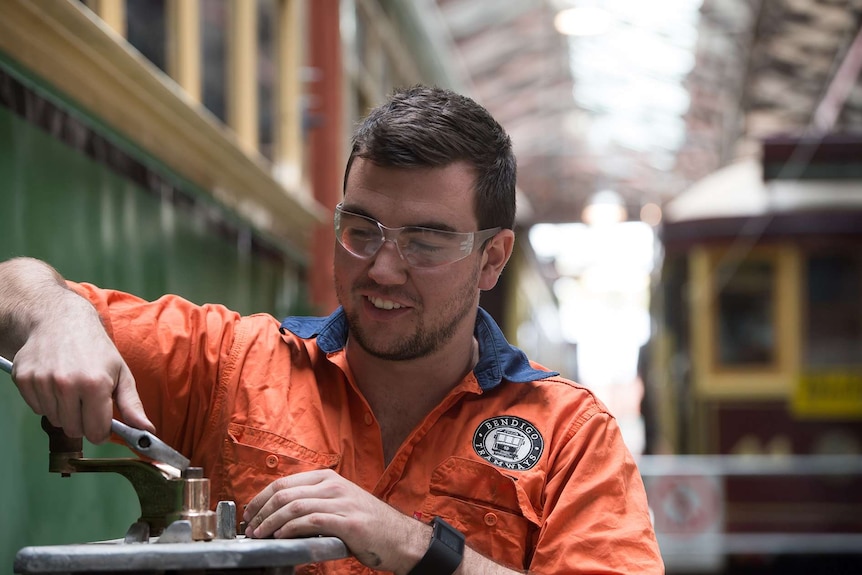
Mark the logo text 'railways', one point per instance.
(509, 442)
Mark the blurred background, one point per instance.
(689, 221)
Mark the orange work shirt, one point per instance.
(530, 466)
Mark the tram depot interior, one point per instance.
(690, 220)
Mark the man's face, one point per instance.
(394, 311)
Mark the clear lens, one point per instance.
(359, 235)
(420, 247)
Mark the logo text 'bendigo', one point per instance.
(509, 442)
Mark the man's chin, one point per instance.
(391, 352)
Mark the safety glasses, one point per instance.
(420, 247)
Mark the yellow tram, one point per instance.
(757, 351)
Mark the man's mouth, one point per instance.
(381, 303)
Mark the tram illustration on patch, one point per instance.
(509, 442)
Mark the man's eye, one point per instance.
(417, 246)
(362, 234)
(427, 241)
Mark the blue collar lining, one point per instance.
(498, 360)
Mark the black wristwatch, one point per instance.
(445, 552)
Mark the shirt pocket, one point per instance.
(485, 504)
(254, 458)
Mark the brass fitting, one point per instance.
(196, 504)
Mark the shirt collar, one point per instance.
(498, 360)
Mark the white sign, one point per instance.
(688, 514)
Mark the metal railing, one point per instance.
(692, 499)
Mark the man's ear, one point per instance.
(494, 257)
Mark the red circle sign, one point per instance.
(685, 504)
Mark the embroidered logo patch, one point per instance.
(509, 442)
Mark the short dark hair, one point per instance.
(434, 127)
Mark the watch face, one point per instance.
(448, 535)
(450, 539)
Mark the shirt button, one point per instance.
(271, 461)
(490, 519)
(369, 419)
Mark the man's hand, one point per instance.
(65, 364)
(324, 503)
(75, 382)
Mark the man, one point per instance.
(404, 407)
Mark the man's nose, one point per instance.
(388, 267)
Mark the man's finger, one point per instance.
(28, 393)
(96, 417)
(302, 507)
(47, 401)
(70, 415)
(256, 504)
(129, 402)
(296, 480)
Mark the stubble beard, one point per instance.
(427, 338)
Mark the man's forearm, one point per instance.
(476, 563)
(29, 289)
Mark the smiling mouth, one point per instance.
(381, 303)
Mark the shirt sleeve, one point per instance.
(174, 349)
(597, 520)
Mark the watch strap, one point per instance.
(445, 552)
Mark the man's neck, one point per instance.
(402, 393)
(441, 370)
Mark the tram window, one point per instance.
(746, 327)
(266, 71)
(145, 29)
(833, 311)
(214, 15)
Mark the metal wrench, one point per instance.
(138, 440)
